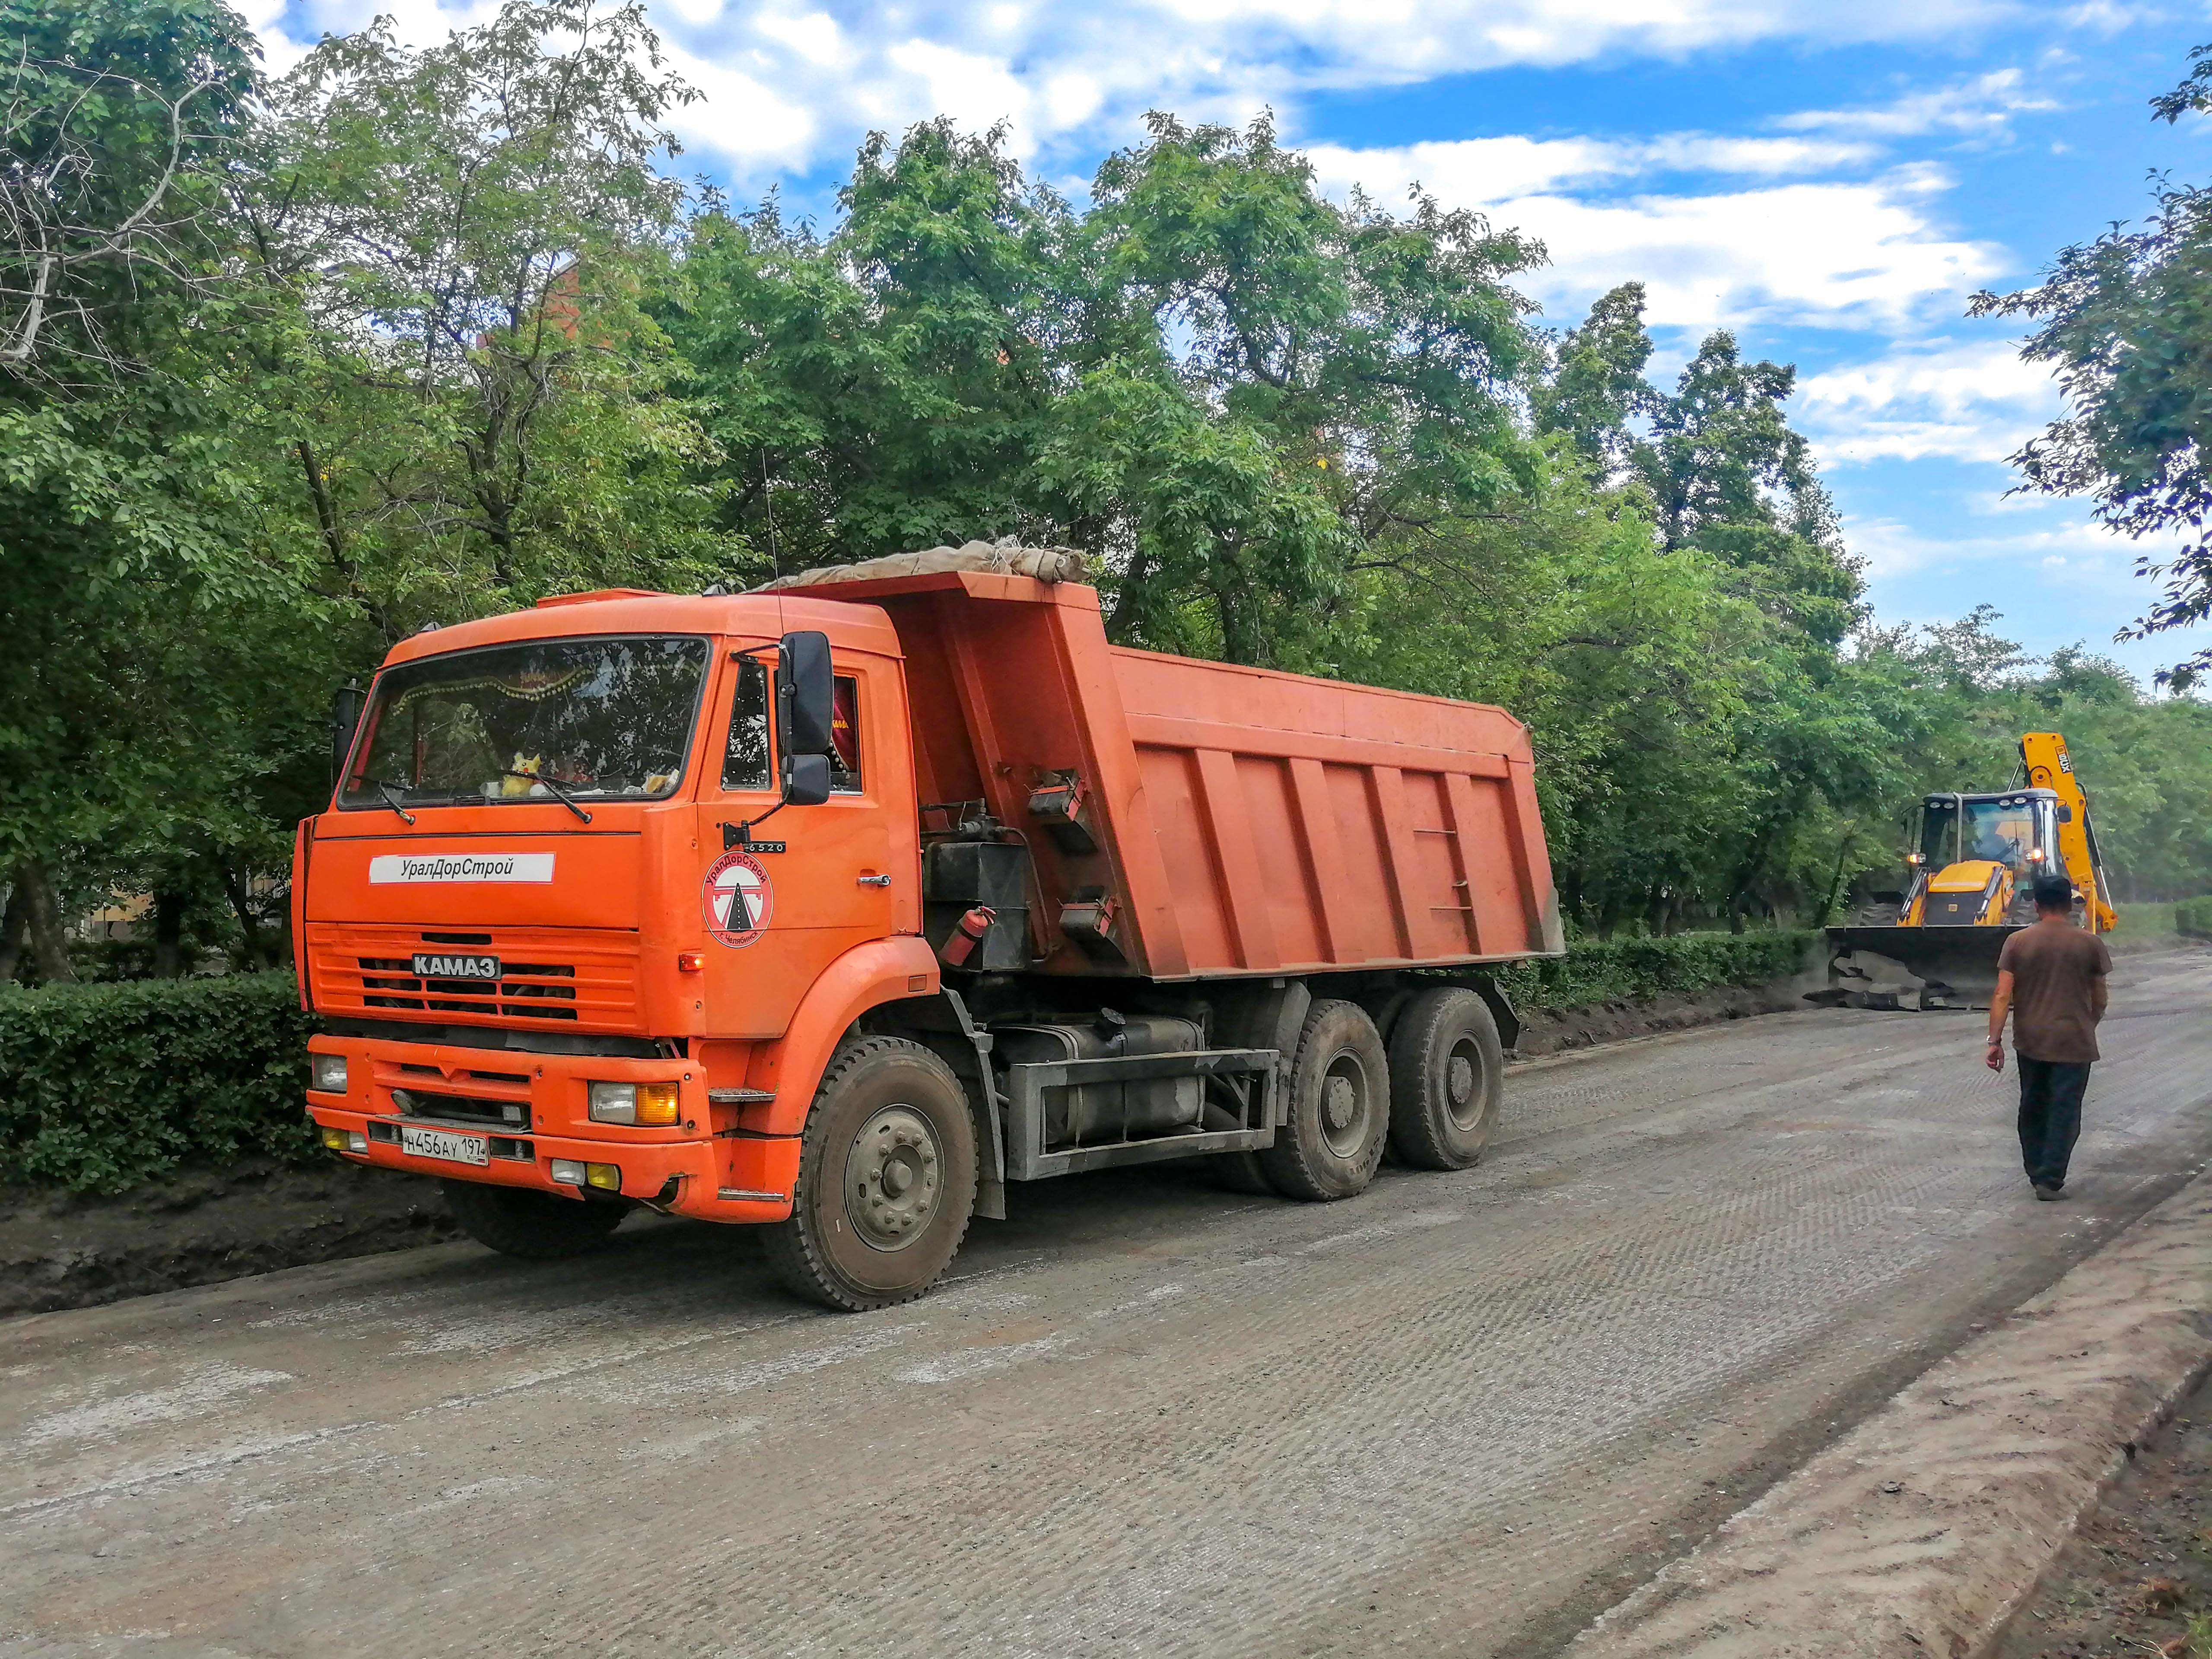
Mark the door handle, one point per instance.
(873, 881)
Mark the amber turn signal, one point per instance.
(690, 962)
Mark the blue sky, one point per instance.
(1831, 181)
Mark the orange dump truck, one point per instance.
(837, 907)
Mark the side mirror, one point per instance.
(805, 780)
(345, 719)
(2065, 813)
(803, 695)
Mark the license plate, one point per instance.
(442, 1143)
(436, 964)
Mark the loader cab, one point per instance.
(1976, 857)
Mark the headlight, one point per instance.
(654, 1104)
(327, 1072)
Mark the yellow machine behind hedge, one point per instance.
(1973, 866)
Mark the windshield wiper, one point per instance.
(391, 796)
(552, 789)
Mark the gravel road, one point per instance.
(1459, 1414)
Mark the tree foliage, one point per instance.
(409, 335)
(2123, 320)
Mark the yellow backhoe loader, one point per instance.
(1972, 871)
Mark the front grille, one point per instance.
(582, 978)
(525, 990)
(461, 1109)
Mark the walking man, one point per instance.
(2052, 977)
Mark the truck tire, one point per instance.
(536, 1226)
(1340, 1114)
(1447, 1074)
(886, 1179)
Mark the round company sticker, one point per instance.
(737, 898)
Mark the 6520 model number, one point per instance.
(431, 965)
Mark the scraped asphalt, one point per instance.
(1462, 1413)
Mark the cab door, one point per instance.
(816, 880)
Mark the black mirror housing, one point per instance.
(804, 694)
(345, 719)
(805, 780)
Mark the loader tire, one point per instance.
(1340, 1111)
(536, 1226)
(886, 1179)
(1447, 1075)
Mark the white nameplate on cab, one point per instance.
(410, 867)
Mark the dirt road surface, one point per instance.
(1460, 1414)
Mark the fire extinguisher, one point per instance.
(966, 935)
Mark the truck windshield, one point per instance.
(604, 719)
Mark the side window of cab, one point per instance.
(845, 735)
(748, 757)
(746, 762)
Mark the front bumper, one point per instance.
(534, 1109)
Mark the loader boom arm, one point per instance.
(2049, 767)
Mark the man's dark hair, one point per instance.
(2054, 895)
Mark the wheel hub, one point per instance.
(1460, 1080)
(1344, 1105)
(891, 1178)
(1463, 1077)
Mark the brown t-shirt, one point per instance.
(2052, 969)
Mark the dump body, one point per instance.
(1239, 821)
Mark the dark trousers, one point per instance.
(2050, 1116)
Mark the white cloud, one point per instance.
(2092, 555)
(1068, 74)
(1491, 170)
(739, 117)
(1966, 401)
(815, 37)
(1981, 106)
(1830, 253)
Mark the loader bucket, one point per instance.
(1913, 967)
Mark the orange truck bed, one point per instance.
(1245, 821)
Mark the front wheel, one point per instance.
(886, 1179)
(536, 1226)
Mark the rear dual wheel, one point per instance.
(1340, 1109)
(886, 1179)
(1447, 1074)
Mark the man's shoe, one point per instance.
(2050, 1195)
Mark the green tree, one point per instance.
(128, 505)
(474, 403)
(2122, 321)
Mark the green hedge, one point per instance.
(1638, 970)
(105, 1087)
(2192, 918)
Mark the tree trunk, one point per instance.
(1130, 606)
(1836, 882)
(238, 884)
(48, 943)
(13, 921)
(168, 935)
